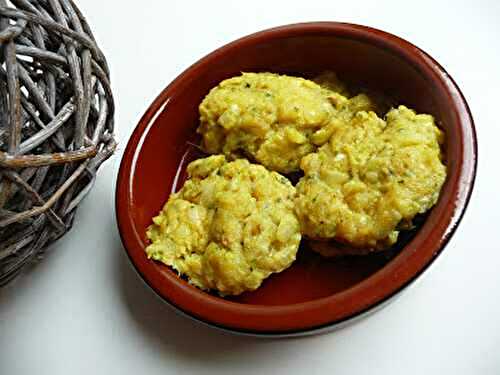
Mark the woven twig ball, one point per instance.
(56, 124)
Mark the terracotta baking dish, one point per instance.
(314, 294)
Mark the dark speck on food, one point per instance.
(283, 180)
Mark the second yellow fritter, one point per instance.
(230, 226)
(274, 119)
(371, 178)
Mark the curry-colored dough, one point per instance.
(274, 119)
(230, 226)
(371, 178)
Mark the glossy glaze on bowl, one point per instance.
(313, 293)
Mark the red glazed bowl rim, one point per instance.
(341, 307)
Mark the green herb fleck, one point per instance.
(283, 180)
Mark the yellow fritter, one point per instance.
(274, 119)
(230, 226)
(371, 178)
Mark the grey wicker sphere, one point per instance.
(56, 124)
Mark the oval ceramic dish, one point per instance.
(314, 294)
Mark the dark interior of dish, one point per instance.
(311, 276)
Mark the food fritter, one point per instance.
(371, 179)
(230, 226)
(273, 119)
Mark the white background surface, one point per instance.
(84, 310)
